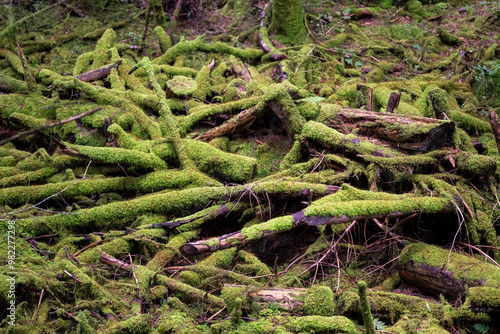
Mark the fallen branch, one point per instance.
(99, 73)
(51, 125)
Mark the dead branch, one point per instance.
(51, 125)
(99, 73)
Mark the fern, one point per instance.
(313, 99)
(379, 324)
(482, 328)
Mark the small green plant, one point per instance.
(486, 82)
(313, 99)
(482, 328)
(379, 324)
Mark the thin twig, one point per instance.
(331, 247)
(51, 125)
(73, 277)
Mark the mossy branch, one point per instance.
(167, 117)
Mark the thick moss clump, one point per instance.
(319, 301)
(182, 86)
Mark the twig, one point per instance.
(28, 132)
(87, 247)
(38, 308)
(73, 277)
(135, 277)
(331, 248)
(482, 252)
(222, 309)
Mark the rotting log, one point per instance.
(442, 271)
(237, 123)
(405, 132)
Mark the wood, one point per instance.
(237, 123)
(299, 219)
(288, 299)
(390, 128)
(240, 70)
(99, 73)
(393, 101)
(51, 125)
(439, 271)
(263, 44)
(495, 126)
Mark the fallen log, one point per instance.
(407, 132)
(345, 205)
(441, 271)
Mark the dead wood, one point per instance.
(51, 125)
(364, 97)
(289, 299)
(173, 18)
(264, 42)
(393, 101)
(405, 132)
(239, 69)
(496, 127)
(237, 123)
(303, 218)
(441, 271)
(99, 73)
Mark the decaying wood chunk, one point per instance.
(406, 132)
(441, 271)
(99, 73)
(393, 101)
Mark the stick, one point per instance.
(28, 132)
(73, 277)
(87, 247)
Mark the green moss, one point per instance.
(475, 164)
(203, 83)
(338, 141)
(183, 47)
(338, 40)
(319, 300)
(415, 7)
(292, 157)
(138, 324)
(220, 259)
(319, 324)
(365, 308)
(346, 205)
(485, 297)
(273, 225)
(461, 266)
(288, 21)
(182, 86)
(190, 277)
(252, 264)
(447, 37)
(163, 38)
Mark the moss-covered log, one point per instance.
(441, 271)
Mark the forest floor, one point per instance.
(214, 176)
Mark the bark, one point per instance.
(428, 134)
(496, 127)
(441, 271)
(237, 123)
(99, 73)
